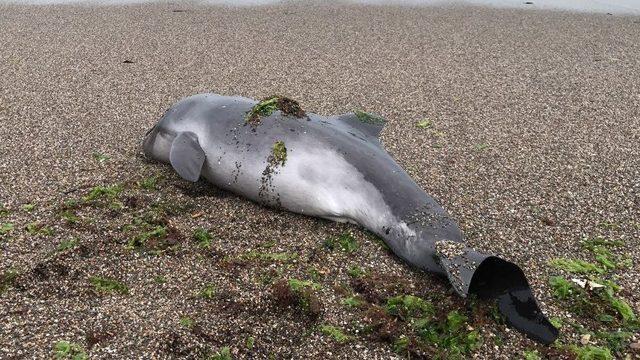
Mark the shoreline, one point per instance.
(569, 6)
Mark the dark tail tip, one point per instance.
(505, 281)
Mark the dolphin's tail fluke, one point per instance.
(490, 277)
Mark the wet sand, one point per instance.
(534, 146)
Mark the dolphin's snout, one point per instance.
(147, 142)
(157, 143)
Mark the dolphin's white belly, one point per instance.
(314, 180)
(320, 182)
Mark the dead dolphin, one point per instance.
(334, 167)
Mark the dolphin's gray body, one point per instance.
(335, 168)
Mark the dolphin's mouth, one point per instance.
(149, 131)
(142, 146)
(490, 277)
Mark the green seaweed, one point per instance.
(356, 271)
(401, 344)
(592, 243)
(596, 300)
(149, 183)
(250, 342)
(621, 306)
(107, 285)
(562, 288)
(70, 217)
(601, 249)
(207, 292)
(615, 340)
(531, 355)
(111, 192)
(409, 306)
(67, 244)
(314, 274)
(69, 350)
(187, 322)
(6, 228)
(203, 238)
(35, 228)
(369, 118)
(600, 301)
(424, 124)
(8, 279)
(576, 266)
(71, 203)
(591, 352)
(352, 302)
(336, 333)
(266, 107)
(449, 334)
(346, 242)
(223, 354)
(100, 157)
(140, 240)
(300, 293)
(274, 257)
(269, 105)
(279, 152)
(298, 285)
(557, 322)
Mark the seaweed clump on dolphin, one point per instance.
(337, 169)
(269, 105)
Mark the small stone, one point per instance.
(584, 339)
(579, 282)
(595, 285)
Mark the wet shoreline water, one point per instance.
(613, 7)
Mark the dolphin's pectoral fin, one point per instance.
(186, 156)
(368, 124)
(490, 277)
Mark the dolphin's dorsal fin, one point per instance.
(186, 156)
(368, 123)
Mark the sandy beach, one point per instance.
(524, 125)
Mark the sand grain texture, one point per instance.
(534, 145)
